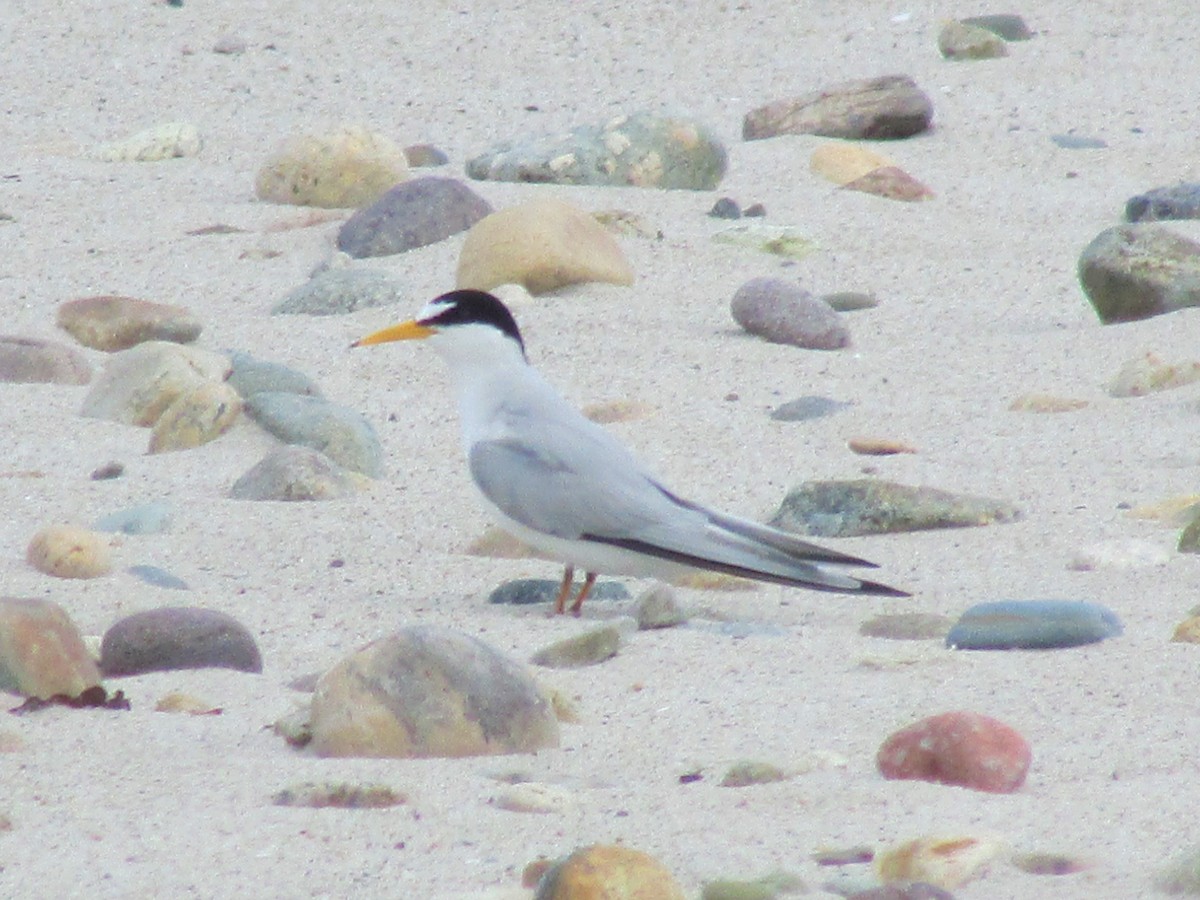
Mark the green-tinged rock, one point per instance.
(587, 649)
(341, 433)
(778, 240)
(659, 608)
(341, 795)
(42, 653)
(1131, 272)
(1189, 538)
(138, 384)
(1009, 26)
(868, 506)
(748, 772)
(777, 884)
(958, 40)
(169, 140)
(251, 376)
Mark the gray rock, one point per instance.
(1132, 272)
(659, 608)
(1179, 201)
(253, 376)
(587, 649)
(868, 506)
(782, 312)
(1032, 625)
(421, 156)
(178, 637)
(850, 301)
(113, 323)
(292, 474)
(1009, 26)
(158, 577)
(32, 360)
(888, 107)
(804, 409)
(726, 208)
(336, 292)
(413, 214)
(643, 149)
(960, 41)
(1078, 142)
(339, 432)
(146, 518)
(525, 591)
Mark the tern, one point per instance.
(570, 490)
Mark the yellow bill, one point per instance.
(411, 330)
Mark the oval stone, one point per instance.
(173, 637)
(1032, 625)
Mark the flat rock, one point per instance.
(413, 214)
(346, 166)
(339, 432)
(541, 245)
(67, 551)
(113, 322)
(201, 415)
(1009, 26)
(608, 872)
(587, 649)
(178, 637)
(777, 240)
(527, 591)
(336, 292)
(137, 385)
(782, 312)
(963, 41)
(428, 691)
(170, 140)
(153, 517)
(844, 161)
(891, 106)
(807, 408)
(1148, 373)
(940, 861)
(292, 473)
(1177, 201)
(891, 183)
(42, 653)
(1131, 272)
(1032, 624)
(962, 748)
(249, 375)
(33, 360)
(910, 626)
(158, 577)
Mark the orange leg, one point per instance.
(588, 581)
(563, 590)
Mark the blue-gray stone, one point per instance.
(1009, 26)
(251, 375)
(522, 591)
(158, 577)
(804, 408)
(1180, 201)
(1078, 142)
(1032, 625)
(339, 432)
(147, 518)
(336, 292)
(415, 213)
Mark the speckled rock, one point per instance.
(413, 214)
(608, 872)
(33, 360)
(113, 323)
(587, 649)
(429, 691)
(1178, 201)
(66, 551)
(945, 861)
(249, 376)
(201, 415)
(339, 432)
(1032, 624)
(345, 167)
(292, 473)
(958, 748)
(138, 384)
(960, 41)
(42, 653)
(336, 292)
(1132, 272)
(745, 773)
(891, 106)
(170, 140)
(782, 312)
(1148, 373)
(542, 245)
(178, 637)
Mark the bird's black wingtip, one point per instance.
(880, 590)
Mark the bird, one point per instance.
(569, 489)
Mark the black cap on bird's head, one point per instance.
(454, 308)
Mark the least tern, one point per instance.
(569, 489)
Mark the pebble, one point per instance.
(249, 375)
(850, 301)
(948, 861)
(112, 322)
(339, 795)
(805, 409)
(588, 649)
(292, 473)
(1046, 403)
(1131, 272)
(1178, 201)
(608, 872)
(179, 702)
(42, 653)
(909, 626)
(36, 361)
(659, 608)
(750, 772)
(965, 749)
(430, 691)
(416, 213)
(527, 591)
(871, 506)
(341, 433)
(531, 797)
(336, 292)
(1009, 26)
(153, 517)
(542, 245)
(201, 415)
(609, 411)
(229, 44)
(1077, 142)
(423, 156)
(158, 577)
(843, 162)
(178, 637)
(726, 208)
(782, 312)
(1049, 863)
(1032, 624)
(768, 887)
(879, 446)
(1189, 537)
(777, 240)
(891, 106)
(1149, 373)
(642, 149)
(346, 166)
(137, 385)
(67, 551)
(170, 140)
(961, 41)
(891, 183)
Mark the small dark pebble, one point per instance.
(108, 471)
(726, 208)
(1078, 142)
(754, 211)
(803, 409)
(847, 856)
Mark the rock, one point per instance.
(958, 748)
(527, 591)
(782, 312)
(804, 409)
(170, 140)
(624, 223)
(293, 473)
(113, 323)
(66, 551)
(249, 376)
(842, 162)
(777, 240)
(178, 637)
(769, 887)
(1078, 142)
(1038, 863)
(414, 214)
(146, 518)
(891, 106)
(42, 653)
(344, 167)
(912, 626)
(659, 608)
(608, 872)
(1032, 624)
(1149, 373)
(336, 292)
(201, 415)
(1179, 201)
(138, 384)
(421, 156)
(1119, 554)
(542, 245)
(32, 360)
(850, 301)
(1009, 26)
(643, 149)
(108, 471)
(429, 691)
(1132, 272)
(158, 577)
(229, 45)
(960, 41)
(339, 795)
(726, 208)
(891, 183)
(1189, 537)
(1046, 403)
(587, 649)
(529, 797)
(750, 772)
(869, 506)
(879, 446)
(179, 702)
(339, 432)
(942, 861)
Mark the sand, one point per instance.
(979, 303)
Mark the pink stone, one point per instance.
(961, 748)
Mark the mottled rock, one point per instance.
(1148, 373)
(32, 360)
(292, 473)
(201, 415)
(1131, 272)
(138, 384)
(339, 432)
(344, 167)
(66, 551)
(643, 149)
(526, 591)
(869, 506)
(747, 772)
(145, 518)
(891, 106)
(113, 323)
(777, 240)
(891, 183)
(429, 691)
(608, 872)
(249, 376)
(911, 626)
(170, 140)
(587, 649)
(960, 41)
(1178, 201)
(606, 412)
(804, 409)
(659, 608)
(1032, 624)
(782, 312)
(42, 653)
(942, 861)
(178, 637)
(542, 245)
(624, 223)
(414, 214)
(958, 748)
(1009, 26)
(336, 292)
